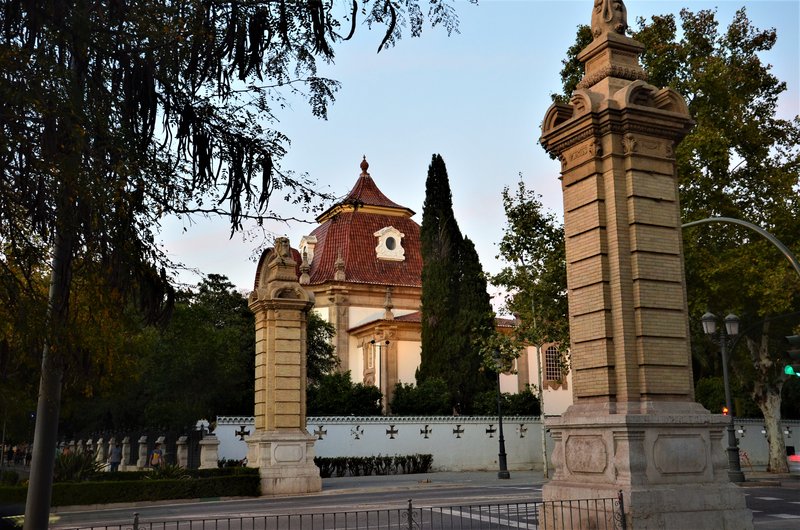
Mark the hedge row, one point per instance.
(193, 473)
(86, 493)
(359, 466)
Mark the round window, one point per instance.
(390, 243)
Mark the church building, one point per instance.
(363, 263)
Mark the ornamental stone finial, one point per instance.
(609, 16)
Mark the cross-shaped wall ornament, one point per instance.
(357, 432)
(241, 433)
(522, 430)
(425, 432)
(320, 433)
(458, 431)
(491, 430)
(391, 431)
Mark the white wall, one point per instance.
(474, 450)
(408, 360)
(471, 449)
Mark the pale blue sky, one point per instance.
(477, 98)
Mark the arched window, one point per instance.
(552, 364)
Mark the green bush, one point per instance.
(246, 484)
(336, 395)
(75, 467)
(359, 466)
(152, 490)
(9, 477)
(13, 494)
(430, 398)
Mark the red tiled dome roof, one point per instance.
(348, 229)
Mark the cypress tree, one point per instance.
(475, 317)
(455, 303)
(440, 242)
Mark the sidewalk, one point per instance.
(756, 478)
(429, 480)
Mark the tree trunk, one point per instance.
(770, 406)
(37, 506)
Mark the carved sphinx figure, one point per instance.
(609, 16)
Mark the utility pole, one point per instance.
(538, 344)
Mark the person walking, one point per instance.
(157, 457)
(115, 457)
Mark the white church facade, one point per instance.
(363, 263)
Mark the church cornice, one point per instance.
(367, 209)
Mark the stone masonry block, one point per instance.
(661, 323)
(587, 170)
(286, 346)
(649, 165)
(582, 193)
(652, 212)
(665, 380)
(657, 266)
(288, 370)
(589, 299)
(587, 272)
(589, 383)
(665, 351)
(287, 357)
(288, 333)
(282, 396)
(593, 354)
(586, 245)
(654, 186)
(590, 326)
(646, 238)
(584, 219)
(287, 383)
(666, 295)
(287, 421)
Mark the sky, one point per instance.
(477, 98)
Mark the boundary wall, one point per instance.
(460, 443)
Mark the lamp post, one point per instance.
(729, 330)
(503, 472)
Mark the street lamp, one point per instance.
(729, 330)
(503, 472)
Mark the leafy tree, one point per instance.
(535, 274)
(321, 355)
(455, 304)
(431, 397)
(334, 394)
(740, 161)
(523, 403)
(116, 114)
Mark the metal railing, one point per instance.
(594, 514)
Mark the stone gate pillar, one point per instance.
(634, 425)
(280, 446)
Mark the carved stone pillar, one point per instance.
(182, 452)
(339, 315)
(280, 446)
(126, 455)
(634, 425)
(209, 452)
(141, 462)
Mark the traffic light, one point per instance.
(793, 351)
(724, 411)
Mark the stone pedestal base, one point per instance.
(285, 461)
(666, 458)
